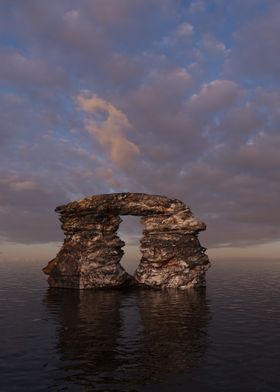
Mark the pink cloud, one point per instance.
(23, 185)
(110, 129)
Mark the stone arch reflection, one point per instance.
(174, 330)
(121, 339)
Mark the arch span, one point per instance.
(172, 256)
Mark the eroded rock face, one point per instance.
(91, 252)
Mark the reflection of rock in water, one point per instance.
(175, 331)
(114, 340)
(88, 328)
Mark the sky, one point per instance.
(168, 97)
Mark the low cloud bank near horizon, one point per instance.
(174, 98)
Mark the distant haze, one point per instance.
(178, 98)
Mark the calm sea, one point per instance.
(226, 338)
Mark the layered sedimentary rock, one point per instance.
(91, 252)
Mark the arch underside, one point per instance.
(172, 256)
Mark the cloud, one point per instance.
(28, 72)
(256, 48)
(196, 6)
(213, 45)
(23, 185)
(184, 30)
(216, 96)
(26, 211)
(108, 125)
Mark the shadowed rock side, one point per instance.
(91, 252)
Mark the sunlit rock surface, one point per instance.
(172, 256)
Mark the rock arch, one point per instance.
(172, 256)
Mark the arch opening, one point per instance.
(131, 231)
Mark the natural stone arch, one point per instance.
(172, 256)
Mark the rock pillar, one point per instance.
(172, 254)
(90, 255)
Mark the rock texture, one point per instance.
(91, 252)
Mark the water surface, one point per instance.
(226, 338)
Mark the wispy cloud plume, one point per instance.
(109, 124)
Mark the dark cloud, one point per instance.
(27, 72)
